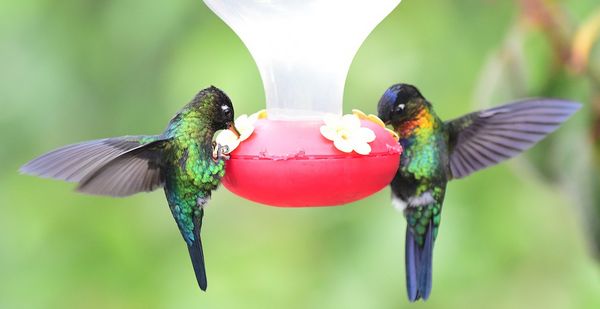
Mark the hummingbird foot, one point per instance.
(221, 152)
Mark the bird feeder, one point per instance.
(303, 50)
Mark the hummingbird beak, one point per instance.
(232, 128)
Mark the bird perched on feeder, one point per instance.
(437, 151)
(183, 160)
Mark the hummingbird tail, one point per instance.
(197, 256)
(418, 265)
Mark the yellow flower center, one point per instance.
(343, 133)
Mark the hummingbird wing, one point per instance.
(488, 137)
(74, 162)
(137, 170)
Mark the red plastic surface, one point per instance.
(290, 164)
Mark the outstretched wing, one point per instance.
(137, 170)
(488, 137)
(74, 162)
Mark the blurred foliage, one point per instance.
(511, 235)
(550, 52)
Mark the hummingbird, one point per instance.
(183, 160)
(436, 151)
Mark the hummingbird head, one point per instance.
(399, 103)
(215, 107)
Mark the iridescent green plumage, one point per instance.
(180, 160)
(192, 173)
(422, 170)
(435, 152)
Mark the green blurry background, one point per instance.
(512, 236)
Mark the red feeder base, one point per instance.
(290, 164)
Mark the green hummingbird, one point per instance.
(435, 152)
(183, 160)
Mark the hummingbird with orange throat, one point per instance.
(437, 151)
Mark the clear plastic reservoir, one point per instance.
(303, 48)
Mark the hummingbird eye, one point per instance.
(400, 108)
(226, 110)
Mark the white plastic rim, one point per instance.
(303, 48)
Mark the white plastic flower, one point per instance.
(375, 120)
(244, 125)
(347, 134)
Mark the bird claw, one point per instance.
(220, 152)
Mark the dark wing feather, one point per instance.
(74, 162)
(488, 137)
(138, 170)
